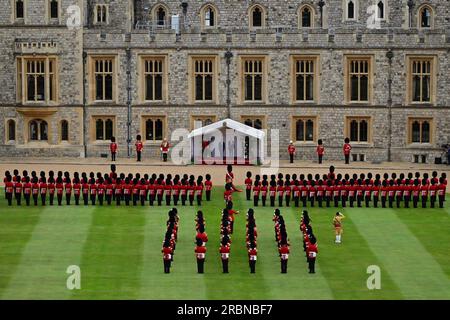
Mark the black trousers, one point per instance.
(151, 199)
(159, 199)
(391, 201)
(320, 159)
(351, 200)
(142, 196)
(51, 198)
(255, 201)
(359, 201)
(108, 199)
(9, 197)
(336, 202)
(164, 157)
(272, 201)
(441, 201)
(415, 201)
(424, 201)
(407, 199)
(77, 199)
(311, 201)
(344, 201)
(296, 202)
(328, 201)
(399, 200)
(176, 198)
(168, 198)
(383, 202)
(85, 199)
(118, 200)
(319, 201)
(208, 195)
(225, 265)
(248, 193)
(100, 198)
(347, 159)
(183, 199)
(139, 155)
(93, 197)
(18, 197)
(280, 201)
(113, 156)
(191, 200)
(375, 202)
(252, 264)
(167, 266)
(284, 264)
(27, 199)
(199, 200)
(304, 199)
(59, 198)
(35, 199)
(263, 201)
(287, 199)
(200, 265)
(135, 199)
(432, 201)
(43, 198)
(312, 265)
(291, 158)
(68, 197)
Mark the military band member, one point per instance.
(264, 190)
(100, 191)
(224, 251)
(312, 192)
(9, 189)
(27, 190)
(191, 190)
(35, 190)
(291, 151)
(433, 192)
(167, 255)
(337, 193)
(399, 192)
(441, 191)
(118, 191)
(252, 256)
(296, 193)
(359, 193)
(287, 191)
(59, 190)
(272, 192)
(312, 254)
(280, 191)
(18, 189)
(376, 193)
(391, 193)
(284, 255)
(76, 188)
(199, 190)
(164, 148)
(256, 191)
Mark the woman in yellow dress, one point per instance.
(337, 222)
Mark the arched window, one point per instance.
(425, 17)
(11, 133)
(38, 130)
(54, 9)
(306, 17)
(351, 14)
(160, 16)
(257, 16)
(64, 130)
(209, 16)
(380, 10)
(19, 9)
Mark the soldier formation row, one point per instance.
(112, 187)
(336, 189)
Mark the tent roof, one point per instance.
(228, 123)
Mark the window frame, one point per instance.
(203, 117)
(96, 7)
(348, 58)
(154, 16)
(264, 81)
(104, 118)
(419, 16)
(60, 127)
(347, 128)
(345, 4)
(300, 16)
(315, 120)
(203, 16)
(92, 82)
(410, 121)
(250, 16)
(49, 13)
(315, 58)
(142, 58)
(154, 117)
(39, 121)
(409, 78)
(192, 83)
(22, 84)
(8, 139)
(14, 17)
(263, 119)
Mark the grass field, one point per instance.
(118, 251)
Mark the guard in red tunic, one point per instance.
(68, 189)
(224, 251)
(256, 191)
(118, 191)
(280, 191)
(272, 192)
(9, 190)
(191, 190)
(27, 190)
(442, 187)
(433, 193)
(85, 190)
(199, 190)
(347, 148)
(200, 253)
(284, 255)
(320, 150)
(139, 147)
(252, 256)
(176, 189)
(100, 190)
(51, 186)
(264, 190)
(167, 252)
(109, 191)
(208, 187)
(311, 252)
(113, 148)
(248, 185)
(164, 148)
(76, 188)
(18, 188)
(424, 192)
(320, 193)
(291, 151)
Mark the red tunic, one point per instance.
(113, 147)
(139, 146)
(291, 149)
(208, 185)
(200, 252)
(320, 150)
(248, 183)
(346, 149)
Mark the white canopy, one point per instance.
(234, 142)
(231, 124)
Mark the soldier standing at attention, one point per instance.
(113, 148)
(347, 149)
(248, 185)
(320, 150)
(224, 251)
(167, 255)
(337, 222)
(291, 151)
(9, 188)
(312, 254)
(200, 252)
(139, 146)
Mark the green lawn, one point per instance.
(118, 251)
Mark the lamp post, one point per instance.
(410, 6)
(390, 56)
(321, 5)
(228, 57)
